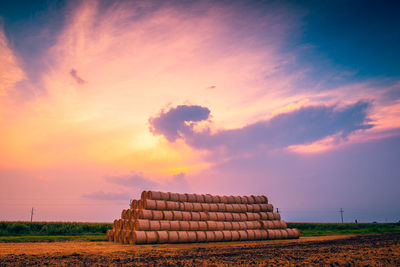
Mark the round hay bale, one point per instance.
(186, 215)
(182, 197)
(212, 216)
(173, 197)
(123, 214)
(264, 199)
(243, 216)
(251, 216)
(205, 206)
(251, 235)
(221, 207)
(228, 216)
(168, 215)
(161, 205)
(257, 216)
(297, 232)
(191, 236)
(183, 237)
(231, 199)
(191, 197)
(237, 200)
(257, 234)
(278, 234)
(162, 236)
(251, 200)
(195, 216)
(220, 225)
(165, 225)
(213, 207)
(224, 199)
(283, 224)
(139, 237)
(140, 204)
(203, 216)
(142, 225)
(236, 216)
(199, 198)
(155, 225)
(177, 215)
(263, 207)
(220, 216)
(194, 226)
(243, 199)
(156, 195)
(242, 235)
(284, 233)
(184, 226)
(219, 236)
(242, 225)
(249, 224)
(270, 216)
(201, 236)
(203, 226)
(173, 237)
(264, 234)
(143, 195)
(210, 236)
(277, 216)
(211, 225)
(270, 207)
(276, 224)
(151, 237)
(215, 199)
(157, 215)
(145, 214)
(271, 234)
(257, 225)
(235, 225)
(197, 207)
(235, 235)
(258, 199)
(229, 208)
(208, 198)
(262, 216)
(256, 208)
(250, 208)
(227, 225)
(181, 206)
(174, 225)
(164, 196)
(149, 204)
(188, 206)
(236, 208)
(227, 235)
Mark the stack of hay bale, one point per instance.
(160, 217)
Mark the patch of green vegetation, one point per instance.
(309, 229)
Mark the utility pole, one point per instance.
(341, 213)
(31, 214)
(277, 210)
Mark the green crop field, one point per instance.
(63, 231)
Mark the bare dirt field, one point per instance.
(377, 249)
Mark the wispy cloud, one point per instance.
(133, 180)
(107, 196)
(77, 78)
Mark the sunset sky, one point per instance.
(297, 100)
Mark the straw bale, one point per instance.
(191, 236)
(183, 237)
(221, 206)
(182, 197)
(181, 206)
(237, 199)
(263, 216)
(175, 226)
(199, 198)
(173, 237)
(284, 233)
(186, 215)
(257, 224)
(228, 216)
(243, 199)
(277, 224)
(197, 207)
(184, 226)
(215, 199)
(208, 198)
(257, 208)
(271, 234)
(139, 237)
(164, 196)
(162, 236)
(279, 234)
(203, 216)
(203, 226)
(242, 225)
(220, 225)
(161, 205)
(165, 225)
(243, 207)
(263, 207)
(151, 237)
(243, 216)
(173, 196)
(231, 199)
(227, 235)
(236, 208)
(140, 204)
(144, 194)
(133, 204)
(219, 236)
(145, 214)
(221, 216)
(249, 225)
(297, 232)
(235, 225)
(224, 199)
(257, 234)
(177, 215)
(251, 216)
(195, 216)
(168, 215)
(188, 206)
(155, 225)
(277, 216)
(251, 200)
(227, 225)
(149, 204)
(258, 199)
(191, 197)
(250, 207)
(156, 195)
(201, 236)
(212, 216)
(210, 236)
(235, 235)
(211, 225)
(205, 206)
(243, 234)
(213, 207)
(270, 207)
(283, 224)
(194, 226)
(264, 234)
(251, 235)
(123, 214)
(270, 215)
(265, 199)
(236, 216)
(229, 208)
(142, 225)
(157, 215)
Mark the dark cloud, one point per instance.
(134, 180)
(107, 196)
(302, 126)
(76, 77)
(178, 121)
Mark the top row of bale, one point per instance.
(203, 198)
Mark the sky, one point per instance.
(295, 100)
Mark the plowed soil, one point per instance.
(379, 249)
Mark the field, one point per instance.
(360, 250)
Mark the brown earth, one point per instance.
(378, 249)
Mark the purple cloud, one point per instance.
(76, 77)
(134, 180)
(107, 196)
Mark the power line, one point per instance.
(341, 213)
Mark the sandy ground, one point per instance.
(381, 249)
